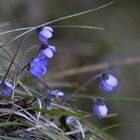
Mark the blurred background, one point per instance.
(120, 39)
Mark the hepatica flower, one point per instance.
(47, 52)
(55, 93)
(107, 82)
(37, 67)
(44, 34)
(100, 108)
(6, 88)
(51, 95)
(70, 119)
(48, 105)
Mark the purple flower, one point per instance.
(51, 95)
(107, 82)
(47, 52)
(37, 67)
(48, 106)
(6, 88)
(70, 119)
(55, 93)
(100, 108)
(44, 34)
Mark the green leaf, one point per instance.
(111, 115)
(111, 97)
(57, 112)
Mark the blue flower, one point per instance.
(48, 106)
(44, 34)
(55, 93)
(6, 88)
(107, 82)
(47, 52)
(51, 95)
(70, 119)
(37, 67)
(100, 108)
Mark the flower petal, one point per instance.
(6, 88)
(56, 93)
(48, 52)
(104, 87)
(43, 39)
(53, 48)
(112, 81)
(44, 34)
(107, 82)
(48, 28)
(99, 108)
(37, 71)
(43, 62)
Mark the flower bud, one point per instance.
(47, 52)
(107, 82)
(55, 93)
(6, 88)
(100, 108)
(44, 34)
(51, 95)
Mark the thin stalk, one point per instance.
(54, 26)
(20, 60)
(13, 59)
(86, 84)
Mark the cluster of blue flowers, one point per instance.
(39, 63)
(106, 84)
(37, 68)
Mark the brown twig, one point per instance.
(97, 67)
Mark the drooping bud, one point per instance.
(44, 34)
(107, 82)
(99, 108)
